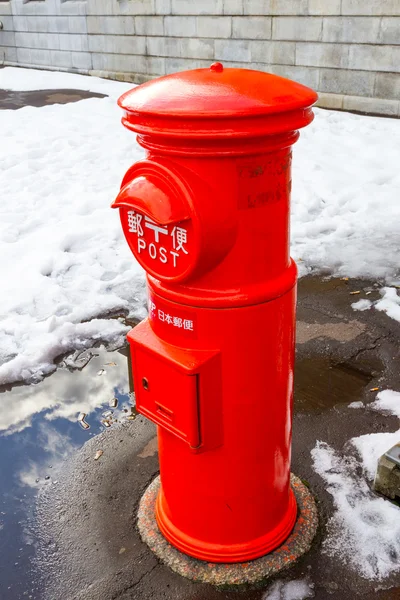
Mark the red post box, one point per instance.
(206, 214)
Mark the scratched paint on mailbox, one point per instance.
(172, 318)
(164, 249)
(264, 181)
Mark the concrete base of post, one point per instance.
(231, 574)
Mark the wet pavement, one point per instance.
(10, 100)
(40, 426)
(68, 521)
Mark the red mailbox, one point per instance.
(207, 216)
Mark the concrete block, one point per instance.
(354, 30)
(41, 57)
(273, 53)
(155, 65)
(161, 46)
(59, 24)
(375, 58)
(322, 55)
(20, 23)
(8, 23)
(371, 7)
(33, 8)
(289, 7)
(374, 106)
(214, 27)
(76, 24)
(350, 83)
(149, 25)
(49, 41)
(387, 85)
(182, 64)
(196, 48)
(117, 44)
(334, 101)
(112, 25)
(233, 7)
(5, 8)
(389, 31)
(60, 58)
(123, 63)
(305, 75)
(257, 7)
(38, 23)
(98, 61)
(81, 60)
(72, 8)
(191, 7)
(297, 28)
(99, 7)
(7, 38)
(24, 56)
(251, 28)
(180, 26)
(236, 50)
(322, 7)
(163, 7)
(132, 7)
(180, 47)
(10, 55)
(387, 479)
(74, 42)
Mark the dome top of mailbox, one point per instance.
(206, 103)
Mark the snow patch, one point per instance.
(364, 531)
(387, 401)
(25, 80)
(363, 304)
(342, 177)
(298, 589)
(357, 404)
(390, 303)
(371, 447)
(65, 263)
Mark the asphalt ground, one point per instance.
(89, 547)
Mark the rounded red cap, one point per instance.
(217, 102)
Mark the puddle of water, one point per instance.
(320, 384)
(13, 99)
(39, 427)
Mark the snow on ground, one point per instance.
(372, 446)
(298, 589)
(345, 201)
(24, 80)
(65, 263)
(390, 303)
(365, 529)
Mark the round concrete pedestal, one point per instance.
(222, 574)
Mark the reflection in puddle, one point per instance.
(320, 383)
(40, 425)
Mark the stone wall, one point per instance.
(348, 50)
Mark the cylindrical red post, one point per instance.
(207, 215)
